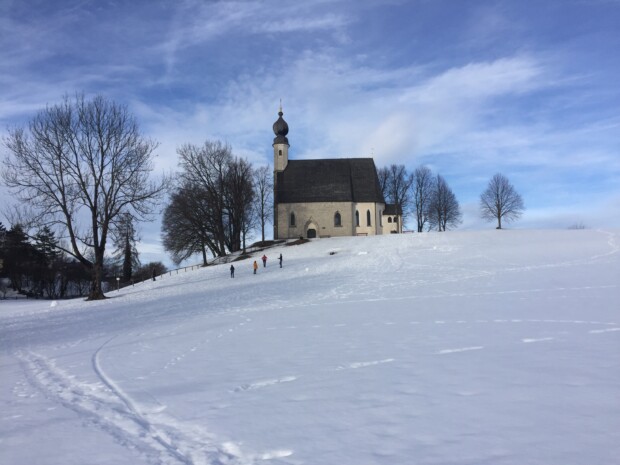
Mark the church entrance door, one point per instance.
(311, 234)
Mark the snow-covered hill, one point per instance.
(494, 347)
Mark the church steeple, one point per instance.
(280, 142)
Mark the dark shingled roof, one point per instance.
(329, 180)
(391, 209)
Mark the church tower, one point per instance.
(280, 160)
(280, 143)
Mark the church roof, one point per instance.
(329, 180)
(392, 209)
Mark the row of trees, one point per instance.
(36, 266)
(432, 203)
(421, 194)
(217, 200)
(84, 170)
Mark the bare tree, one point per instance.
(80, 164)
(214, 202)
(185, 225)
(204, 169)
(263, 187)
(384, 175)
(395, 183)
(444, 209)
(500, 201)
(239, 198)
(422, 193)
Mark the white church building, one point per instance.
(327, 197)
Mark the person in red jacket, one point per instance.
(264, 261)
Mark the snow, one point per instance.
(475, 347)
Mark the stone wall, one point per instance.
(320, 216)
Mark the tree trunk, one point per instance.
(96, 291)
(204, 255)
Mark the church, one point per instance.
(327, 197)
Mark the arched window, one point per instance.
(280, 152)
(292, 220)
(357, 218)
(389, 219)
(337, 219)
(368, 222)
(396, 219)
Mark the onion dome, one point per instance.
(280, 129)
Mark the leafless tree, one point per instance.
(384, 175)
(500, 201)
(422, 193)
(80, 164)
(213, 207)
(204, 168)
(239, 199)
(263, 188)
(185, 223)
(444, 209)
(396, 184)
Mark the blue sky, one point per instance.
(470, 88)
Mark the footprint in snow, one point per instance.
(265, 383)
(353, 366)
(540, 339)
(462, 349)
(606, 330)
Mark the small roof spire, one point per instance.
(280, 110)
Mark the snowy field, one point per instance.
(459, 348)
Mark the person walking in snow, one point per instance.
(255, 266)
(232, 271)
(264, 261)
(280, 258)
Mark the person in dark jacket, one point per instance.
(232, 271)
(280, 258)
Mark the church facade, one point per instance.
(327, 197)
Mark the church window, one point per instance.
(389, 219)
(337, 219)
(292, 220)
(368, 222)
(280, 152)
(357, 218)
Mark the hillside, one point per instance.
(494, 347)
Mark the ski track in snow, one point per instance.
(461, 349)
(156, 437)
(355, 365)
(606, 330)
(540, 339)
(265, 383)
